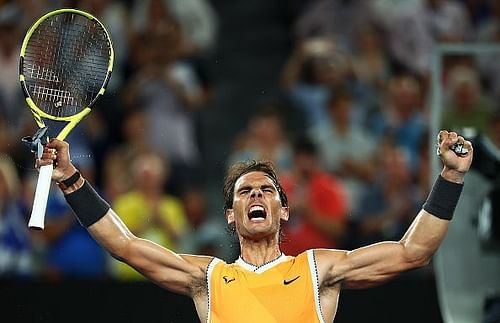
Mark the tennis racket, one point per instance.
(65, 65)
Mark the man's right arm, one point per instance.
(178, 273)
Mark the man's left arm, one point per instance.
(374, 264)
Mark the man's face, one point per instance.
(257, 209)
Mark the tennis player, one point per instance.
(263, 284)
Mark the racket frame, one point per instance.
(37, 217)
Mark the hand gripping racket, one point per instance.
(65, 65)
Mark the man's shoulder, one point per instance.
(327, 256)
(200, 261)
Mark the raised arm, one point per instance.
(374, 264)
(182, 274)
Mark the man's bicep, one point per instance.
(178, 273)
(157, 263)
(366, 266)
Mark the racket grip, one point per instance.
(37, 218)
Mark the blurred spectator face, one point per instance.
(323, 70)
(405, 95)
(321, 65)
(340, 109)
(466, 94)
(464, 86)
(305, 164)
(369, 41)
(160, 20)
(395, 165)
(266, 129)
(150, 173)
(134, 126)
(195, 205)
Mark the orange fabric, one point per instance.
(240, 295)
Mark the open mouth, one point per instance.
(257, 212)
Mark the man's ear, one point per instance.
(285, 213)
(230, 216)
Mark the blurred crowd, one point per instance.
(348, 133)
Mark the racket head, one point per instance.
(65, 64)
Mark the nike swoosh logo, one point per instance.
(286, 282)
(227, 280)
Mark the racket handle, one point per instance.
(37, 218)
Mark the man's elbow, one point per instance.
(415, 256)
(421, 262)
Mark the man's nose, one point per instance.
(256, 193)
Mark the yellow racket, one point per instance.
(65, 65)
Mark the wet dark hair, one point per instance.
(244, 167)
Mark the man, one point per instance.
(264, 285)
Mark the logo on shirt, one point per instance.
(287, 282)
(227, 280)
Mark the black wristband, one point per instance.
(443, 198)
(69, 181)
(87, 205)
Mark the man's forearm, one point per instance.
(430, 226)
(95, 214)
(112, 234)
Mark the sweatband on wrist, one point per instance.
(87, 205)
(69, 181)
(443, 198)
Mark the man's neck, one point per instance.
(259, 253)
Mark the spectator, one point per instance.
(118, 160)
(205, 235)
(390, 201)
(68, 252)
(466, 104)
(404, 115)
(489, 32)
(148, 211)
(312, 70)
(15, 119)
(264, 138)
(66, 249)
(335, 19)
(197, 19)
(417, 28)
(345, 149)
(16, 258)
(114, 15)
(319, 206)
(169, 93)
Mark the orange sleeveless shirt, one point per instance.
(284, 290)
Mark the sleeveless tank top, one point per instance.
(284, 290)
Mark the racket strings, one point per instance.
(66, 63)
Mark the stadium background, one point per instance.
(205, 83)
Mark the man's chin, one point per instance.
(258, 232)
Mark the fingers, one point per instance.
(468, 145)
(447, 137)
(451, 140)
(57, 144)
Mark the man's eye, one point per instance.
(268, 190)
(244, 192)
